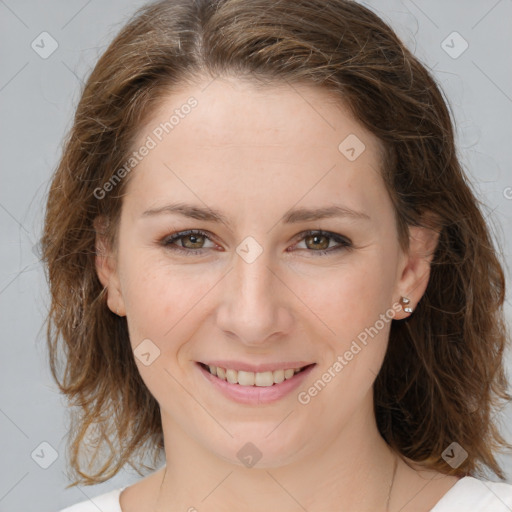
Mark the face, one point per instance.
(272, 285)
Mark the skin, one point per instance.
(254, 154)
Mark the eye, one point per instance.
(320, 242)
(192, 242)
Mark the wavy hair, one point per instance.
(442, 377)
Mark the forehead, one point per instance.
(233, 111)
(241, 140)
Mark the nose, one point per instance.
(255, 306)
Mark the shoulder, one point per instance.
(473, 495)
(108, 502)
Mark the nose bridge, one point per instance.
(252, 282)
(251, 307)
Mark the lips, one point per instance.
(264, 390)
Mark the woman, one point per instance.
(266, 264)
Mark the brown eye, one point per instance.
(187, 242)
(196, 241)
(317, 241)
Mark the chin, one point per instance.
(259, 447)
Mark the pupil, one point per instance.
(316, 241)
(193, 238)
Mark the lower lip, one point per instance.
(254, 395)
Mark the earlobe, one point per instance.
(106, 269)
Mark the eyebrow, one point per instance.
(292, 216)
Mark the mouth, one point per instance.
(248, 378)
(266, 386)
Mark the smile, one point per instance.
(254, 387)
(245, 378)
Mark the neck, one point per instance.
(353, 471)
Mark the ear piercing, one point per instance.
(405, 300)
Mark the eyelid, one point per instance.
(167, 240)
(342, 241)
(339, 239)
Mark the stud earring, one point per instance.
(405, 300)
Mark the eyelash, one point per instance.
(167, 242)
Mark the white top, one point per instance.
(467, 495)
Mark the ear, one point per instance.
(415, 266)
(106, 268)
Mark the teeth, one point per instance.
(245, 378)
(288, 374)
(278, 376)
(264, 379)
(232, 376)
(261, 379)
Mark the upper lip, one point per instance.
(257, 368)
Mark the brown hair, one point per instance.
(443, 374)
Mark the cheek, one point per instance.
(161, 305)
(162, 300)
(344, 300)
(350, 302)
(354, 308)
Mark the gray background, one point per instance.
(37, 100)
